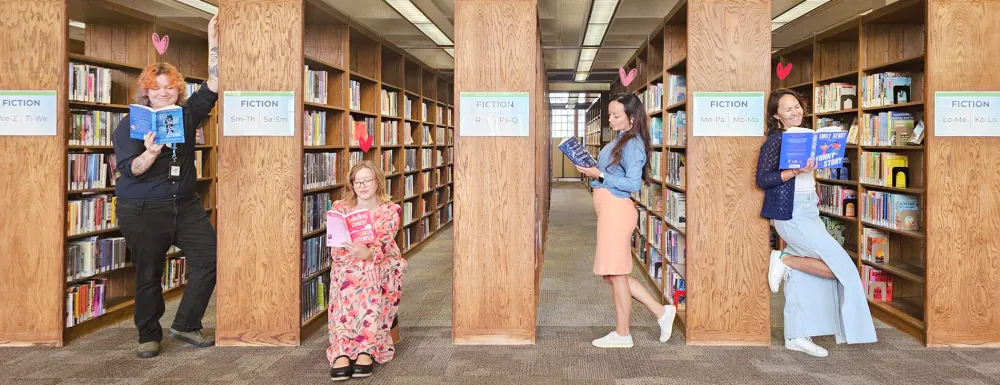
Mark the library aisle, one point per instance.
(575, 307)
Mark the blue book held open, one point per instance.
(827, 145)
(576, 153)
(167, 123)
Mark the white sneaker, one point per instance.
(613, 340)
(667, 322)
(805, 345)
(777, 271)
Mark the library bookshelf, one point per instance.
(687, 214)
(597, 133)
(901, 251)
(354, 87)
(842, 72)
(96, 280)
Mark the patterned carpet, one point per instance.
(574, 309)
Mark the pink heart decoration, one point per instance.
(626, 80)
(160, 44)
(783, 71)
(363, 138)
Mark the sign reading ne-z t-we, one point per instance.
(28, 112)
(494, 114)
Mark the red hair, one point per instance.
(147, 80)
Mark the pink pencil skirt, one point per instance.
(616, 221)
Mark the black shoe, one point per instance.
(341, 374)
(361, 371)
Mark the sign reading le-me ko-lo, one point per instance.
(258, 113)
(28, 112)
(959, 113)
(728, 114)
(494, 114)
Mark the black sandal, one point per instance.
(361, 371)
(343, 373)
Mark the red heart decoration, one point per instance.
(363, 138)
(783, 71)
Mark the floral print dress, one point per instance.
(364, 294)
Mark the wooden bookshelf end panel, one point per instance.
(728, 298)
(260, 182)
(963, 193)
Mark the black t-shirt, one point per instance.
(153, 184)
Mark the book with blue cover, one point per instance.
(576, 153)
(827, 145)
(166, 123)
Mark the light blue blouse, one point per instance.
(624, 178)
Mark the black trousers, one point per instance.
(150, 227)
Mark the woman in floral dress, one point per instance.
(366, 282)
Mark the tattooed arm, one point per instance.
(213, 54)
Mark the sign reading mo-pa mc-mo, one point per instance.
(494, 114)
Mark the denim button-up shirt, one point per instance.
(625, 177)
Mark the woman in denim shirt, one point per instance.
(823, 290)
(621, 168)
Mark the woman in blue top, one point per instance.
(621, 169)
(823, 291)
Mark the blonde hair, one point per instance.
(351, 198)
(147, 80)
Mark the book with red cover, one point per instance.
(356, 227)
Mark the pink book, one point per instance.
(356, 226)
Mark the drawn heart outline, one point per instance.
(783, 71)
(160, 44)
(364, 140)
(626, 80)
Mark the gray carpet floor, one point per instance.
(575, 307)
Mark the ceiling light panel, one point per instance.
(77, 24)
(201, 5)
(582, 76)
(413, 14)
(602, 11)
(796, 12)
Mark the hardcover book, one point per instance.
(166, 123)
(827, 145)
(576, 153)
(355, 227)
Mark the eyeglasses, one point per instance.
(363, 183)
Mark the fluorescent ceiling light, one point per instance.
(450, 51)
(796, 12)
(74, 23)
(413, 14)
(601, 13)
(201, 5)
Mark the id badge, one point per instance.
(175, 171)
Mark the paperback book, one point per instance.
(355, 227)
(166, 123)
(827, 145)
(576, 153)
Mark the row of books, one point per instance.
(838, 200)
(88, 300)
(426, 160)
(676, 132)
(90, 171)
(838, 173)
(92, 127)
(407, 107)
(895, 211)
(316, 86)
(315, 255)
(411, 159)
(366, 125)
(675, 287)
(314, 128)
(355, 95)
(651, 227)
(835, 97)
(356, 157)
(674, 209)
(649, 196)
(90, 214)
(446, 213)
(885, 89)
(407, 209)
(676, 169)
(874, 245)
(314, 208)
(655, 131)
(89, 83)
(315, 296)
(390, 102)
(877, 284)
(89, 256)
(652, 98)
(319, 169)
(888, 169)
(390, 132)
(889, 128)
(388, 166)
(655, 162)
(676, 89)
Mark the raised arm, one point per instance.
(134, 157)
(213, 54)
(768, 174)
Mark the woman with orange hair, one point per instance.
(366, 281)
(157, 204)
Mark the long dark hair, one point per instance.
(773, 124)
(640, 127)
